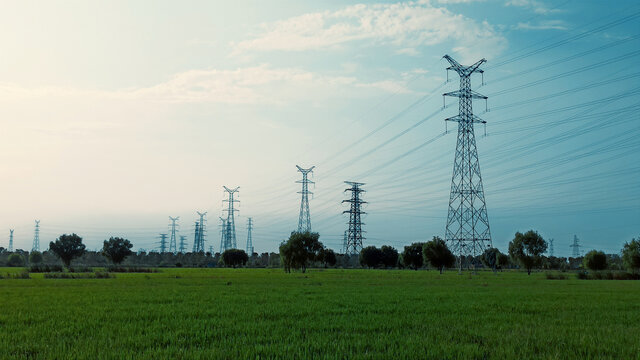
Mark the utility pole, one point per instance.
(183, 244)
(550, 247)
(196, 237)
(354, 236)
(10, 240)
(163, 243)
(575, 246)
(36, 237)
(467, 231)
(223, 234)
(304, 220)
(173, 246)
(249, 240)
(230, 233)
(201, 233)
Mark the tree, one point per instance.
(15, 260)
(526, 249)
(327, 257)
(299, 250)
(116, 249)
(68, 247)
(371, 257)
(389, 256)
(35, 257)
(438, 254)
(234, 257)
(631, 255)
(595, 260)
(412, 256)
(503, 260)
(492, 258)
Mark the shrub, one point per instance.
(80, 269)
(35, 257)
(552, 276)
(15, 260)
(45, 268)
(595, 260)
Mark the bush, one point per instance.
(80, 269)
(595, 260)
(608, 275)
(15, 260)
(35, 257)
(96, 275)
(21, 275)
(45, 268)
(120, 269)
(552, 276)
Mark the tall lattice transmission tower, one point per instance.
(575, 246)
(344, 242)
(201, 229)
(36, 237)
(249, 239)
(173, 243)
(10, 240)
(467, 231)
(163, 243)
(183, 244)
(230, 232)
(304, 220)
(354, 234)
(196, 236)
(223, 234)
(550, 247)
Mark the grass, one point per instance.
(332, 314)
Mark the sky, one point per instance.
(116, 115)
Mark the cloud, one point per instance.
(543, 25)
(537, 6)
(248, 85)
(404, 25)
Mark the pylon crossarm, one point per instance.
(458, 118)
(463, 94)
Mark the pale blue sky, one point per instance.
(116, 115)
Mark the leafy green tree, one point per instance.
(503, 260)
(371, 257)
(595, 260)
(234, 257)
(526, 249)
(116, 249)
(67, 248)
(299, 250)
(631, 255)
(494, 259)
(35, 257)
(327, 257)
(412, 256)
(389, 256)
(15, 260)
(438, 254)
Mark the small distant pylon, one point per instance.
(200, 234)
(575, 246)
(249, 239)
(354, 235)
(173, 246)
(36, 237)
(344, 242)
(183, 244)
(304, 220)
(10, 240)
(230, 233)
(550, 247)
(223, 234)
(163, 243)
(195, 237)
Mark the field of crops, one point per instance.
(333, 314)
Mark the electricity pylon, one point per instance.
(173, 245)
(36, 237)
(163, 243)
(230, 233)
(196, 236)
(249, 239)
(467, 230)
(201, 231)
(183, 244)
(10, 240)
(550, 247)
(354, 235)
(575, 246)
(344, 243)
(223, 234)
(304, 221)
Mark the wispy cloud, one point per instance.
(536, 6)
(543, 25)
(406, 25)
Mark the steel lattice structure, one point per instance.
(304, 220)
(249, 239)
(467, 232)
(230, 231)
(354, 235)
(10, 240)
(183, 244)
(36, 237)
(163, 243)
(223, 232)
(200, 232)
(575, 246)
(173, 244)
(196, 237)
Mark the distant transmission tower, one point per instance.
(467, 230)
(36, 237)
(163, 243)
(173, 246)
(344, 242)
(354, 235)
(249, 240)
(230, 232)
(201, 232)
(223, 234)
(183, 244)
(550, 247)
(10, 240)
(576, 247)
(304, 221)
(196, 237)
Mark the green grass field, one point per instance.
(333, 314)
